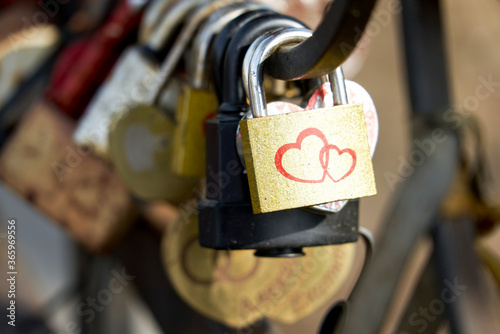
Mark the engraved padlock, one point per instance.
(304, 158)
(197, 101)
(327, 95)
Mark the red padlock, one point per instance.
(85, 64)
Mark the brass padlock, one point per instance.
(304, 158)
(130, 79)
(197, 101)
(344, 92)
(237, 288)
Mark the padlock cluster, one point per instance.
(171, 112)
(183, 115)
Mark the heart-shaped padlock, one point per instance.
(237, 288)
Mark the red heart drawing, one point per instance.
(324, 156)
(325, 160)
(278, 158)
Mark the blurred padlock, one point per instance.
(141, 138)
(305, 158)
(42, 164)
(140, 143)
(197, 101)
(237, 289)
(75, 190)
(89, 60)
(225, 216)
(129, 81)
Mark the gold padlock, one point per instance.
(304, 158)
(194, 107)
(140, 143)
(197, 101)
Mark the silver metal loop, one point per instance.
(173, 18)
(152, 18)
(339, 89)
(248, 58)
(261, 49)
(255, 70)
(202, 41)
(169, 65)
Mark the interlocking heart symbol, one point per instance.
(327, 154)
(323, 98)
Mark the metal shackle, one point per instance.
(238, 46)
(169, 65)
(253, 69)
(151, 18)
(203, 40)
(164, 30)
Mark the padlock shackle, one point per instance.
(168, 67)
(232, 90)
(222, 42)
(253, 69)
(175, 16)
(205, 36)
(152, 18)
(338, 86)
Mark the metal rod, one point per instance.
(331, 44)
(425, 57)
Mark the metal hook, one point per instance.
(331, 44)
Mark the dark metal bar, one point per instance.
(416, 319)
(411, 218)
(421, 194)
(425, 56)
(335, 318)
(463, 283)
(331, 44)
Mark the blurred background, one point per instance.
(50, 262)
